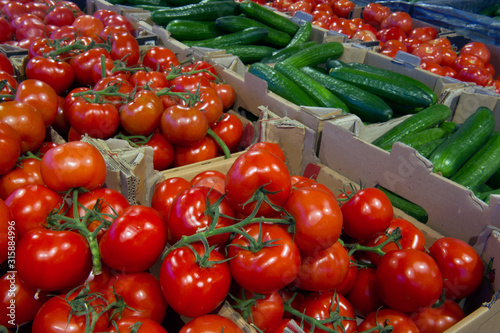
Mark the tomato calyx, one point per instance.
(134, 140)
(3, 84)
(394, 236)
(178, 71)
(112, 90)
(244, 305)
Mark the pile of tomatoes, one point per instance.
(272, 245)
(395, 32)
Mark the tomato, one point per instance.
(136, 325)
(270, 267)
(28, 172)
(366, 213)
(467, 60)
(489, 67)
(324, 7)
(400, 322)
(432, 67)
(392, 47)
(411, 238)
(19, 301)
(350, 279)
(478, 75)
(8, 233)
(408, 279)
(57, 74)
(41, 96)
(428, 52)
(301, 5)
(183, 125)
(189, 83)
(201, 68)
(5, 64)
(160, 58)
(192, 290)
(391, 33)
(324, 270)
(10, 145)
(448, 71)
(398, 19)
(201, 150)
(478, 49)
(252, 170)
(6, 31)
(53, 260)
(342, 8)
(365, 36)
(421, 34)
(211, 323)
(83, 63)
(125, 47)
(66, 314)
(321, 305)
(271, 147)
(9, 89)
(31, 205)
(442, 42)
(88, 25)
(142, 115)
(438, 319)
(118, 84)
(265, 312)
(60, 164)
(164, 194)
(375, 13)
(152, 79)
(229, 128)
(163, 152)
(460, 265)
(97, 120)
(30, 27)
(135, 240)
(190, 212)
(364, 296)
(118, 20)
(318, 220)
(449, 57)
(312, 183)
(411, 44)
(141, 292)
(110, 71)
(60, 16)
(26, 121)
(209, 103)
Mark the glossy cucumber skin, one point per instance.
(463, 143)
(192, 30)
(202, 11)
(247, 36)
(249, 54)
(268, 17)
(284, 53)
(406, 206)
(316, 54)
(423, 137)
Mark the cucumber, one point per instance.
(247, 36)
(460, 146)
(390, 75)
(281, 85)
(282, 54)
(448, 126)
(161, 3)
(178, 3)
(402, 109)
(422, 137)
(316, 54)
(426, 149)
(398, 91)
(427, 118)
(320, 94)
(192, 30)
(268, 17)
(249, 54)
(406, 206)
(481, 165)
(494, 180)
(202, 11)
(233, 23)
(485, 196)
(366, 106)
(302, 35)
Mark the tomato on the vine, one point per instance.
(160, 58)
(183, 125)
(164, 194)
(436, 319)
(28, 172)
(199, 151)
(41, 96)
(229, 128)
(142, 115)
(10, 145)
(364, 296)
(400, 321)
(210, 323)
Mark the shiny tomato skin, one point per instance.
(10, 145)
(428, 52)
(163, 151)
(366, 213)
(364, 295)
(271, 147)
(160, 58)
(268, 269)
(478, 49)
(60, 164)
(211, 323)
(191, 290)
(56, 73)
(126, 325)
(462, 268)
(8, 232)
(398, 19)
(408, 279)
(5, 64)
(135, 240)
(318, 219)
(438, 319)
(183, 125)
(267, 310)
(41, 96)
(164, 194)
(125, 47)
(9, 89)
(53, 260)
(142, 115)
(475, 74)
(28, 172)
(375, 13)
(227, 94)
(252, 170)
(399, 320)
(199, 151)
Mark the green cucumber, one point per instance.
(406, 206)
(281, 85)
(316, 54)
(202, 11)
(162, 3)
(247, 36)
(322, 96)
(426, 149)
(268, 17)
(282, 54)
(422, 137)
(302, 35)
(485, 196)
(234, 23)
(494, 180)
(449, 126)
(398, 91)
(249, 54)
(390, 75)
(178, 3)
(403, 109)
(427, 118)
(192, 30)
(481, 165)
(460, 146)
(366, 106)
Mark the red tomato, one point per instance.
(163, 151)
(57, 74)
(183, 125)
(142, 115)
(449, 57)
(53, 260)
(342, 8)
(26, 173)
(349, 280)
(120, 21)
(135, 240)
(365, 36)
(229, 129)
(438, 319)
(400, 322)
(265, 312)
(41, 96)
(391, 33)
(116, 83)
(8, 233)
(190, 213)
(210, 104)
(9, 89)
(448, 71)
(201, 150)
(489, 67)
(443, 42)
(227, 94)
(428, 52)
(60, 16)
(269, 268)
(301, 5)
(478, 49)
(312, 183)
(432, 67)
(467, 60)
(164, 194)
(478, 75)
(366, 213)
(6, 32)
(5, 64)
(125, 47)
(10, 145)
(160, 58)
(88, 25)
(83, 63)
(318, 219)
(392, 47)
(364, 295)
(375, 13)
(211, 323)
(461, 266)
(152, 79)
(271, 147)
(420, 34)
(252, 170)
(398, 19)
(141, 292)
(60, 164)
(192, 289)
(136, 325)
(201, 68)
(408, 279)
(324, 270)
